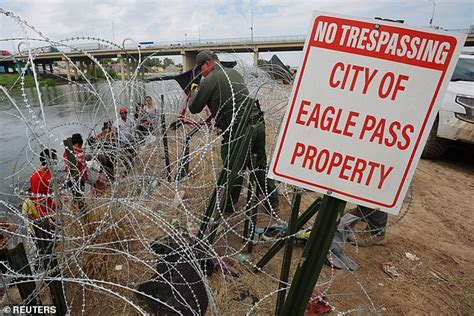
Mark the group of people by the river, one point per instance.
(94, 163)
(222, 90)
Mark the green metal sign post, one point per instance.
(286, 262)
(313, 257)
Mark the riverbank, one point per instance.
(10, 80)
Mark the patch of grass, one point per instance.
(48, 82)
(101, 75)
(8, 80)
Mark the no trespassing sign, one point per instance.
(364, 100)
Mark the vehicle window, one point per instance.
(464, 70)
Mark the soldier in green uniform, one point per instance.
(224, 91)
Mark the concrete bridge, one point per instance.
(128, 56)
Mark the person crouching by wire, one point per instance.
(77, 173)
(125, 136)
(43, 205)
(78, 153)
(42, 208)
(146, 116)
(142, 130)
(104, 146)
(150, 112)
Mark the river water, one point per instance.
(68, 109)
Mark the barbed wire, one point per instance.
(127, 239)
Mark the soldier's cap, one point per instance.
(202, 56)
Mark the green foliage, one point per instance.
(167, 61)
(261, 62)
(112, 73)
(48, 82)
(153, 62)
(8, 80)
(100, 74)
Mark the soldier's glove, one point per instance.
(194, 86)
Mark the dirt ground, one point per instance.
(437, 228)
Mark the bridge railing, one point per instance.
(221, 41)
(239, 40)
(196, 43)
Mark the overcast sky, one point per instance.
(179, 20)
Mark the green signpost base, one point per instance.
(47, 250)
(18, 261)
(313, 257)
(286, 262)
(302, 220)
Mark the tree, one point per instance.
(167, 61)
(153, 62)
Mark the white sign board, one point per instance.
(365, 97)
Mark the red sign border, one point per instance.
(433, 100)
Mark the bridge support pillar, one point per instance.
(9, 69)
(255, 56)
(93, 72)
(83, 69)
(88, 70)
(142, 71)
(133, 67)
(122, 70)
(76, 71)
(127, 68)
(68, 70)
(17, 66)
(51, 67)
(189, 59)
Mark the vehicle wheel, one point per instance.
(435, 146)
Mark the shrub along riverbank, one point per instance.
(8, 80)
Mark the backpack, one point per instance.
(28, 208)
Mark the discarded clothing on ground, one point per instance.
(243, 294)
(226, 266)
(179, 284)
(272, 232)
(336, 256)
(303, 235)
(317, 305)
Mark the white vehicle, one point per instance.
(455, 120)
